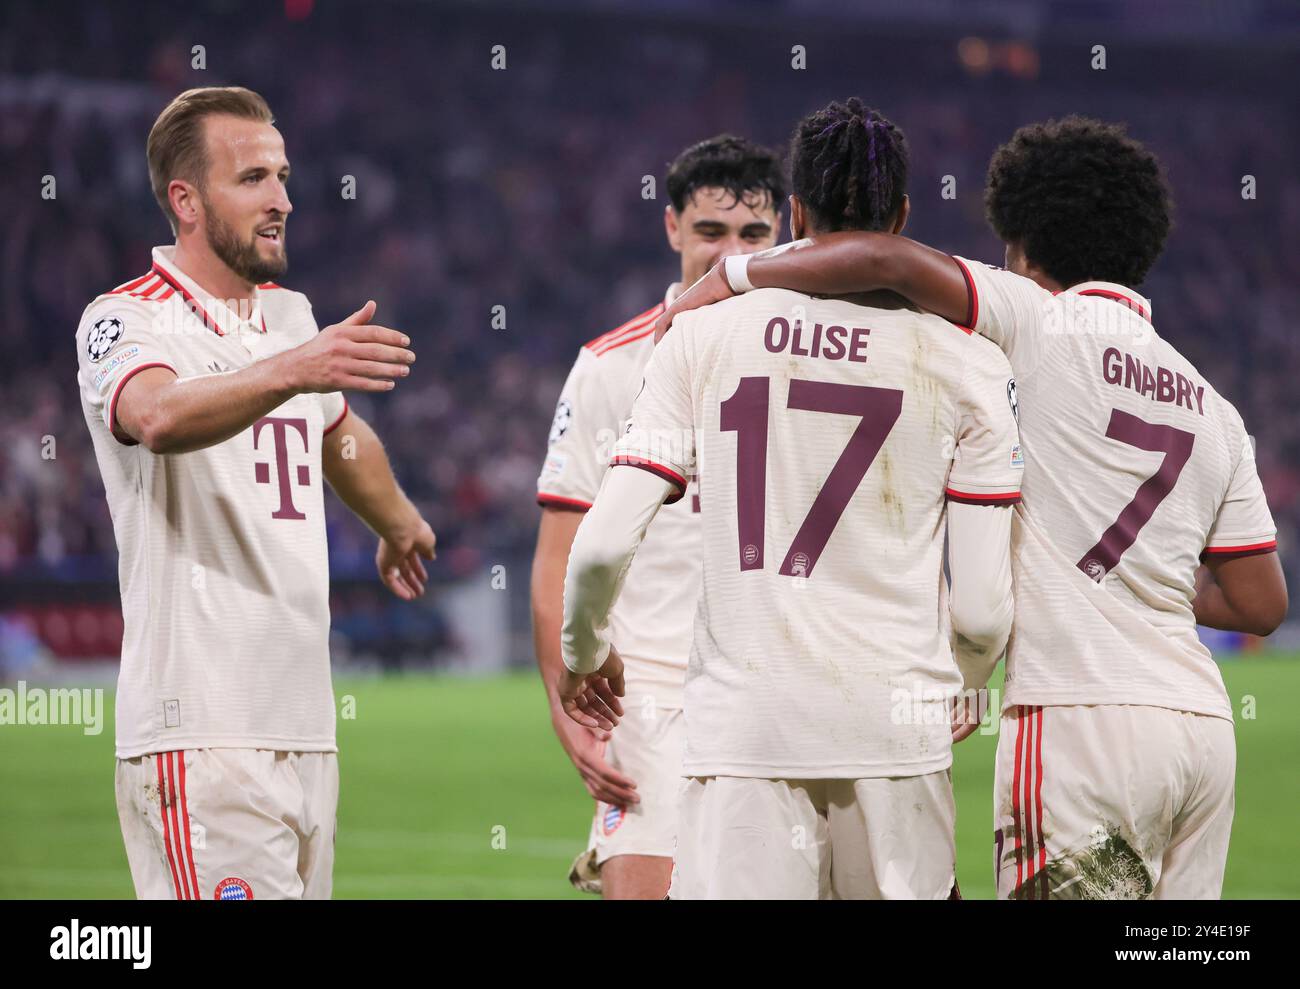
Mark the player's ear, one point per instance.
(796, 218)
(673, 228)
(904, 211)
(184, 199)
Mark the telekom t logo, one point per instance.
(262, 471)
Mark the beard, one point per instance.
(241, 256)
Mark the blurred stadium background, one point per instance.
(521, 188)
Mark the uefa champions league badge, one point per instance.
(102, 336)
(611, 819)
(233, 889)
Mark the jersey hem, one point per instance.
(972, 298)
(1013, 698)
(117, 392)
(677, 480)
(205, 742)
(850, 771)
(335, 424)
(1245, 547)
(982, 498)
(560, 501)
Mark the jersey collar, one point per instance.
(215, 314)
(1118, 293)
(674, 290)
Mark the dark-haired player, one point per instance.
(834, 437)
(1116, 759)
(725, 195)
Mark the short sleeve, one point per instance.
(1243, 526)
(988, 462)
(660, 437)
(335, 407)
(117, 339)
(1008, 309)
(582, 435)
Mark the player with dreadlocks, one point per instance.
(835, 438)
(1116, 759)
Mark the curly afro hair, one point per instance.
(849, 167)
(1084, 201)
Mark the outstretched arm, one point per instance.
(177, 415)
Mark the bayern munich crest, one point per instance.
(233, 889)
(102, 336)
(611, 819)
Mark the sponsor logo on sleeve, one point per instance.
(1017, 457)
(554, 465)
(124, 356)
(106, 332)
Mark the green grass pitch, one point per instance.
(456, 788)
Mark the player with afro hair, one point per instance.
(1081, 200)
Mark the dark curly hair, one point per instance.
(741, 167)
(849, 167)
(1084, 201)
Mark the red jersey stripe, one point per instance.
(623, 341)
(972, 300)
(1038, 804)
(1251, 548)
(185, 814)
(134, 283)
(176, 824)
(342, 415)
(162, 810)
(631, 326)
(1133, 304)
(561, 502)
(117, 391)
(143, 290)
(969, 498)
(1015, 799)
(659, 470)
(152, 290)
(1027, 802)
(192, 302)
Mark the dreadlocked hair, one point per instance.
(849, 167)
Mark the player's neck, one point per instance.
(212, 274)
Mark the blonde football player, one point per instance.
(216, 410)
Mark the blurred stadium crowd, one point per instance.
(522, 188)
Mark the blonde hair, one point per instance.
(176, 148)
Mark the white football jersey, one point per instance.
(827, 436)
(652, 621)
(1139, 468)
(222, 559)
